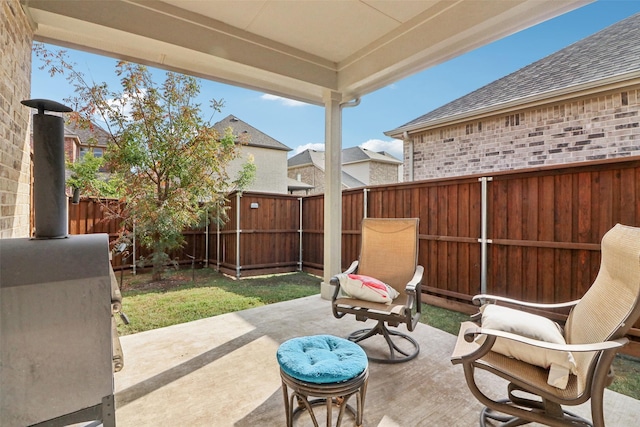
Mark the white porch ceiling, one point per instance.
(298, 49)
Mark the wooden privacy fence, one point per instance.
(531, 234)
(261, 235)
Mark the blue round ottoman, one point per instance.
(329, 368)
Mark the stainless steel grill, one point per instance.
(57, 337)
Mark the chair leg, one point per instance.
(381, 329)
(505, 420)
(515, 411)
(597, 409)
(565, 418)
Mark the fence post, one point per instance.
(134, 247)
(238, 266)
(483, 233)
(206, 239)
(300, 236)
(218, 240)
(365, 207)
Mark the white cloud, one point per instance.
(123, 105)
(284, 101)
(318, 146)
(393, 147)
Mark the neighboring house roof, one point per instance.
(316, 158)
(359, 154)
(351, 182)
(94, 135)
(295, 185)
(256, 138)
(307, 157)
(349, 155)
(612, 52)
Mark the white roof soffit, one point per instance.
(294, 49)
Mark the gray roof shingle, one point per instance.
(256, 138)
(307, 157)
(349, 155)
(359, 154)
(350, 181)
(612, 51)
(89, 135)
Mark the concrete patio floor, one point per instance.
(222, 371)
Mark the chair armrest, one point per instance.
(415, 280)
(471, 333)
(478, 300)
(335, 282)
(352, 268)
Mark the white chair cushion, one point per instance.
(367, 288)
(559, 363)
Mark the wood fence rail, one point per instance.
(529, 234)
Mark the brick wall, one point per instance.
(597, 127)
(15, 86)
(309, 175)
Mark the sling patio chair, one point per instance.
(546, 367)
(384, 285)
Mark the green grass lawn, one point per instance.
(182, 298)
(178, 299)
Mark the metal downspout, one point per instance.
(405, 137)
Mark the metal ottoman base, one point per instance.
(329, 394)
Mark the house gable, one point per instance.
(360, 167)
(269, 155)
(581, 103)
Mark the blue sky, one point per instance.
(301, 126)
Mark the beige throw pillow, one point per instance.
(559, 363)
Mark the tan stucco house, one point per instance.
(268, 154)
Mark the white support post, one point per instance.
(333, 191)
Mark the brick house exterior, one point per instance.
(579, 104)
(78, 141)
(16, 37)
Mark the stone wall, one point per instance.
(383, 173)
(602, 126)
(15, 85)
(270, 168)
